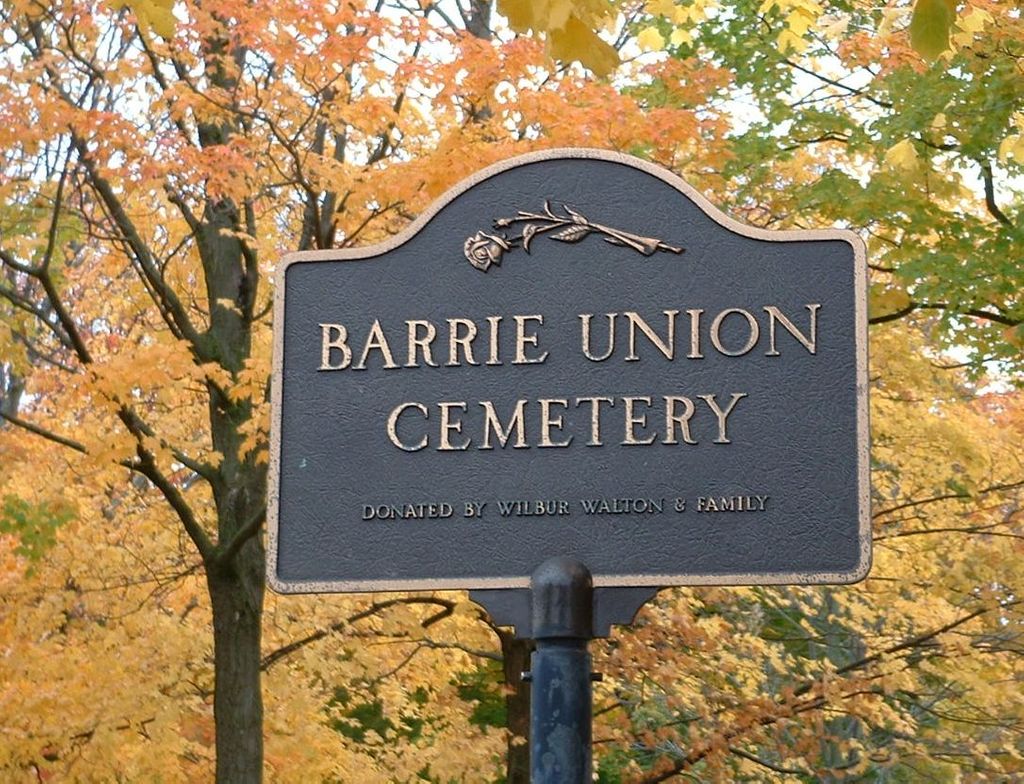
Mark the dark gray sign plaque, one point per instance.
(571, 354)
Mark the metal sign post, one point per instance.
(562, 612)
(561, 699)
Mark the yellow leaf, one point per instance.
(974, 21)
(558, 14)
(155, 15)
(1006, 147)
(162, 21)
(661, 7)
(519, 14)
(578, 42)
(886, 300)
(680, 36)
(834, 26)
(901, 156)
(683, 14)
(812, 7)
(650, 39)
(892, 18)
(1015, 335)
(800, 21)
(960, 39)
(538, 15)
(1012, 147)
(790, 41)
(930, 26)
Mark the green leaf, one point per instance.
(35, 525)
(930, 26)
(482, 688)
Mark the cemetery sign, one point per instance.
(573, 353)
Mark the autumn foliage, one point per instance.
(159, 158)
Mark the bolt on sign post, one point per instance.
(572, 372)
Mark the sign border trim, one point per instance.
(856, 574)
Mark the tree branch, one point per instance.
(44, 433)
(704, 749)
(946, 497)
(225, 551)
(21, 302)
(984, 530)
(275, 656)
(166, 298)
(148, 468)
(979, 313)
(894, 316)
(990, 195)
(850, 90)
(766, 764)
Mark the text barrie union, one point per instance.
(517, 340)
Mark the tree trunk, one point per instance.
(12, 387)
(235, 578)
(236, 592)
(516, 661)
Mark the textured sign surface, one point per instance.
(571, 354)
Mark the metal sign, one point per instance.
(571, 354)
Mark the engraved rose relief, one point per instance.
(483, 250)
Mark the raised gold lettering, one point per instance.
(633, 421)
(695, 334)
(595, 416)
(449, 426)
(493, 358)
(585, 336)
(328, 343)
(465, 341)
(716, 327)
(392, 426)
(492, 422)
(723, 416)
(809, 343)
(376, 340)
(420, 342)
(672, 419)
(667, 347)
(523, 339)
(548, 422)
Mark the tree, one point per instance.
(911, 676)
(173, 154)
(850, 126)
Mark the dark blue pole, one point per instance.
(561, 698)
